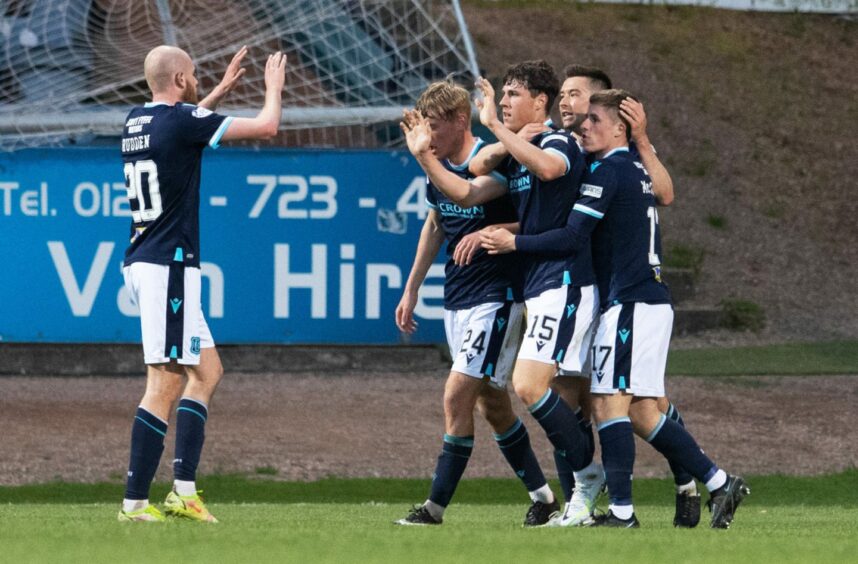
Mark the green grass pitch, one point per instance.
(784, 520)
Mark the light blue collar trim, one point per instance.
(477, 144)
(617, 150)
(153, 104)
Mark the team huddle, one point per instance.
(561, 223)
(553, 283)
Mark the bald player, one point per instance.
(162, 145)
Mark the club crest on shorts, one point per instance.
(195, 345)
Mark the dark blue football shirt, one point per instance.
(617, 206)
(488, 278)
(162, 149)
(545, 205)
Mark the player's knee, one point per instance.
(454, 406)
(162, 393)
(207, 374)
(528, 391)
(599, 409)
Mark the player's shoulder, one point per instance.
(555, 136)
(193, 110)
(620, 160)
(629, 165)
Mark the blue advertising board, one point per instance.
(296, 246)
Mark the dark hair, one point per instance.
(537, 76)
(611, 100)
(599, 80)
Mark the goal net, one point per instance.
(71, 69)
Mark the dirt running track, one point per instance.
(308, 426)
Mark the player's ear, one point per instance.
(179, 80)
(463, 119)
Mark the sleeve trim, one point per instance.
(553, 137)
(214, 142)
(554, 151)
(588, 210)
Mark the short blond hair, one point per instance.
(443, 100)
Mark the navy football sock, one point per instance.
(680, 474)
(618, 458)
(562, 428)
(455, 453)
(677, 445)
(564, 472)
(147, 444)
(191, 416)
(565, 475)
(587, 429)
(514, 444)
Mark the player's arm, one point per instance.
(545, 164)
(431, 238)
(589, 209)
(468, 245)
(487, 159)
(267, 122)
(231, 77)
(418, 136)
(560, 242)
(490, 157)
(662, 183)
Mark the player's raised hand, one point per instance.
(531, 130)
(466, 248)
(633, 112)
(497, 241)
(486, 104)
(405, 313)
(418, 133)
(231, 78)
(234, 72)
(275, 72)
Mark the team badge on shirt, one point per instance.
(201, 112)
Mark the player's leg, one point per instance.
(163, 384)
(514, 442)
(204, 370)
(687, 512)
(573, 385)
(460, 397)
(575, 391)
(548, 331)
(612, 388)
(684, 481)
(147, 285)
(650, 327)
(475, 337)
(611, 411)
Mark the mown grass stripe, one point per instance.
(830, 490)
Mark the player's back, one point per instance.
(162, 151)
(627, 242)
